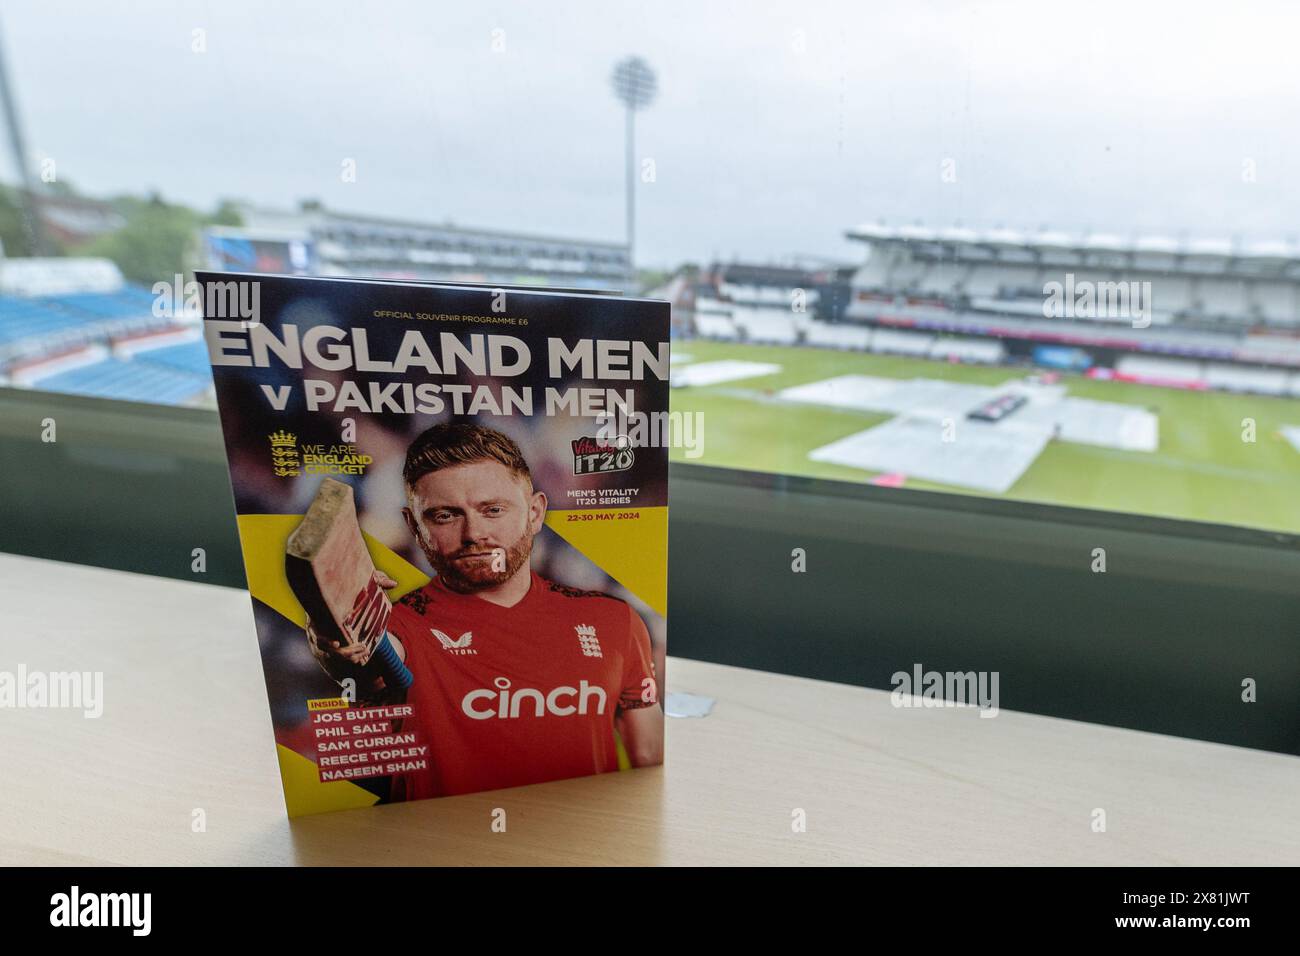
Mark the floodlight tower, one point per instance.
(26, 184)
(635, 86)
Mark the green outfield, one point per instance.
(1203, 469)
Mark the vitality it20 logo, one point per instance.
(591, 456)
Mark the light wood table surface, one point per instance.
(186, 726)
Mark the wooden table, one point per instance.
(186, 726)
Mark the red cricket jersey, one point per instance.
(506, 696)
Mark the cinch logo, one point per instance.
(102, 909)
(508, 704)
(455, 645)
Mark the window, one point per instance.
(1082, 291)
(968, 300)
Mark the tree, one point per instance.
(227, 214)
(155, 242)
(14, 235)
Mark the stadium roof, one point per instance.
(306, 219)
(752, 274)
(1275, 250)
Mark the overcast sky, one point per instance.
(777, 125)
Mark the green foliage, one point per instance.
(158, 241)
(227, 214)
(154, 244)
(16, 239)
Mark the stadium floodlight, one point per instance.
(26, 184)
(635, 86)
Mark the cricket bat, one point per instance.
(331, 573)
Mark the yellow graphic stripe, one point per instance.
(628, 544)
(304, 792)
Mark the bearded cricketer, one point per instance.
(514, 679)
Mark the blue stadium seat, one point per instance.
(22, 318)
(191, 357)
(129, 381)
(102, 305)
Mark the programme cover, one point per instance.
(453, 509)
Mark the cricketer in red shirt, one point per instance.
(517, 680)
